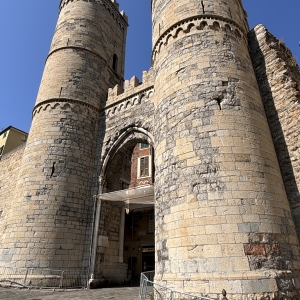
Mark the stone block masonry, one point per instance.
(53, 200)
(217, 174)
(10, 168)
(279, 82)
(225, 209)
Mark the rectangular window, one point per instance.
(144, 167)
(1, 150)
(4, 134)
(144, 146)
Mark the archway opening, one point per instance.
(127, 213)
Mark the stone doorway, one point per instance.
(126, 227)
(139, 241)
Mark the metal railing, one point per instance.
(149, 290)
(42, 278)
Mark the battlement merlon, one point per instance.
(131, 87)
(112, 5)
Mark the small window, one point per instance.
(144, 170)
(4, 134)
(1, 150)
(144, 146)
(115, 63)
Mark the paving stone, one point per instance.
(124, 293)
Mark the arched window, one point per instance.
(115, 63)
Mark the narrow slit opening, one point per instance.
(53, 169)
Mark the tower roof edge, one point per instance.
(111, 5)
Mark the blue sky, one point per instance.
(27, 26)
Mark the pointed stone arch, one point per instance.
(116, 216)
(131, 133)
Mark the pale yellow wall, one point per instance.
(12, 140)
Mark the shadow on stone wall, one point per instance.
(274, 72)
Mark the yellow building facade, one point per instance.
(11, 138)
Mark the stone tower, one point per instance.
(222, 215)
(47, 225)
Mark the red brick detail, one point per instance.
(136, 154)
(262, 249)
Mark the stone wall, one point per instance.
(107, 259)
(278, 77)
(220, 198)
(85, 40)
(128, 118)
(50, 221)
(10, 168)
(53, 189)
(118, 173)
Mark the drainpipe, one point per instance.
(96, 230)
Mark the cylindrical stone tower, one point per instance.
(48, 220)
(222, 217)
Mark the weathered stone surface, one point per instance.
(53, 196)
(206, 95)
(279, 82)
(223, 219)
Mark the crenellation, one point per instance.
(131, 84)
(115, 3)
(114, 92)
(133, 88)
